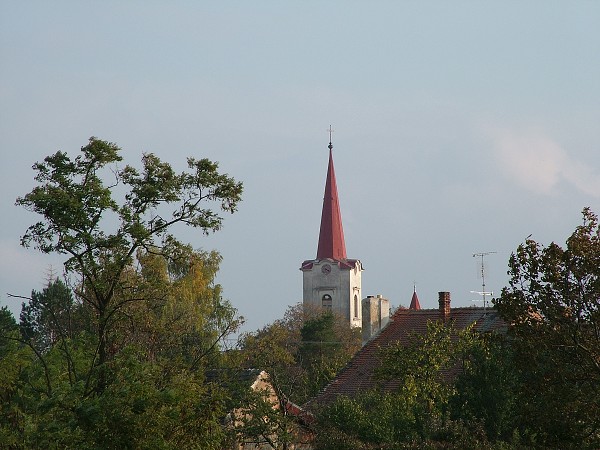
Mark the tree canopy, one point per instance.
(127, 349)
(116, 355)
(101, 236)
(553, 305)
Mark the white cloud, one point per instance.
(540, 164)
(582, 176)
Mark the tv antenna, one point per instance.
(483, 292)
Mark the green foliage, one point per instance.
(553, 304)
(120, 362)
(260, 419)
(487, 389)
(303, 351)
(156, 395)
(327, 345)
(537, 387)
(49, 316)
(371, 419)
(78, 209)
(8, 327)
(183, 318)
(274, 349)
(300, 354)
(141, 408)
(14, 358)
(431, 408)
(422, 368)
(376, 420)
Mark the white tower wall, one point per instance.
(334, 285)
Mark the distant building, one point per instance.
(358, 375)
(332, 280)
(263, 435)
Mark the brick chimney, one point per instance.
(444, 302)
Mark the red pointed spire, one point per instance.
(414, 303)
(331, 236)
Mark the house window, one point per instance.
(355, 306)
(326, 302)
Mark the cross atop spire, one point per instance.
(331, 236)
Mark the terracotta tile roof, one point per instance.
(304, 416)
(358, 375)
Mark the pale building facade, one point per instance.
(376, 315)
(334, 285)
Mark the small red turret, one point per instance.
(414, 303)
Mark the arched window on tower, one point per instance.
(326, 302)
(356, 306)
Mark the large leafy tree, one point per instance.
(183, 319)
(161, 348)
(100, 235)
(487, 390)
(553, 305)
(130, 371)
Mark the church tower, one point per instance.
(333, 281)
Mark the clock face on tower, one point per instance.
(326, 268)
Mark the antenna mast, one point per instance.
(483, 292)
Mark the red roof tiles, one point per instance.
(358, 375)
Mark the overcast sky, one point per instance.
(460, 127)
